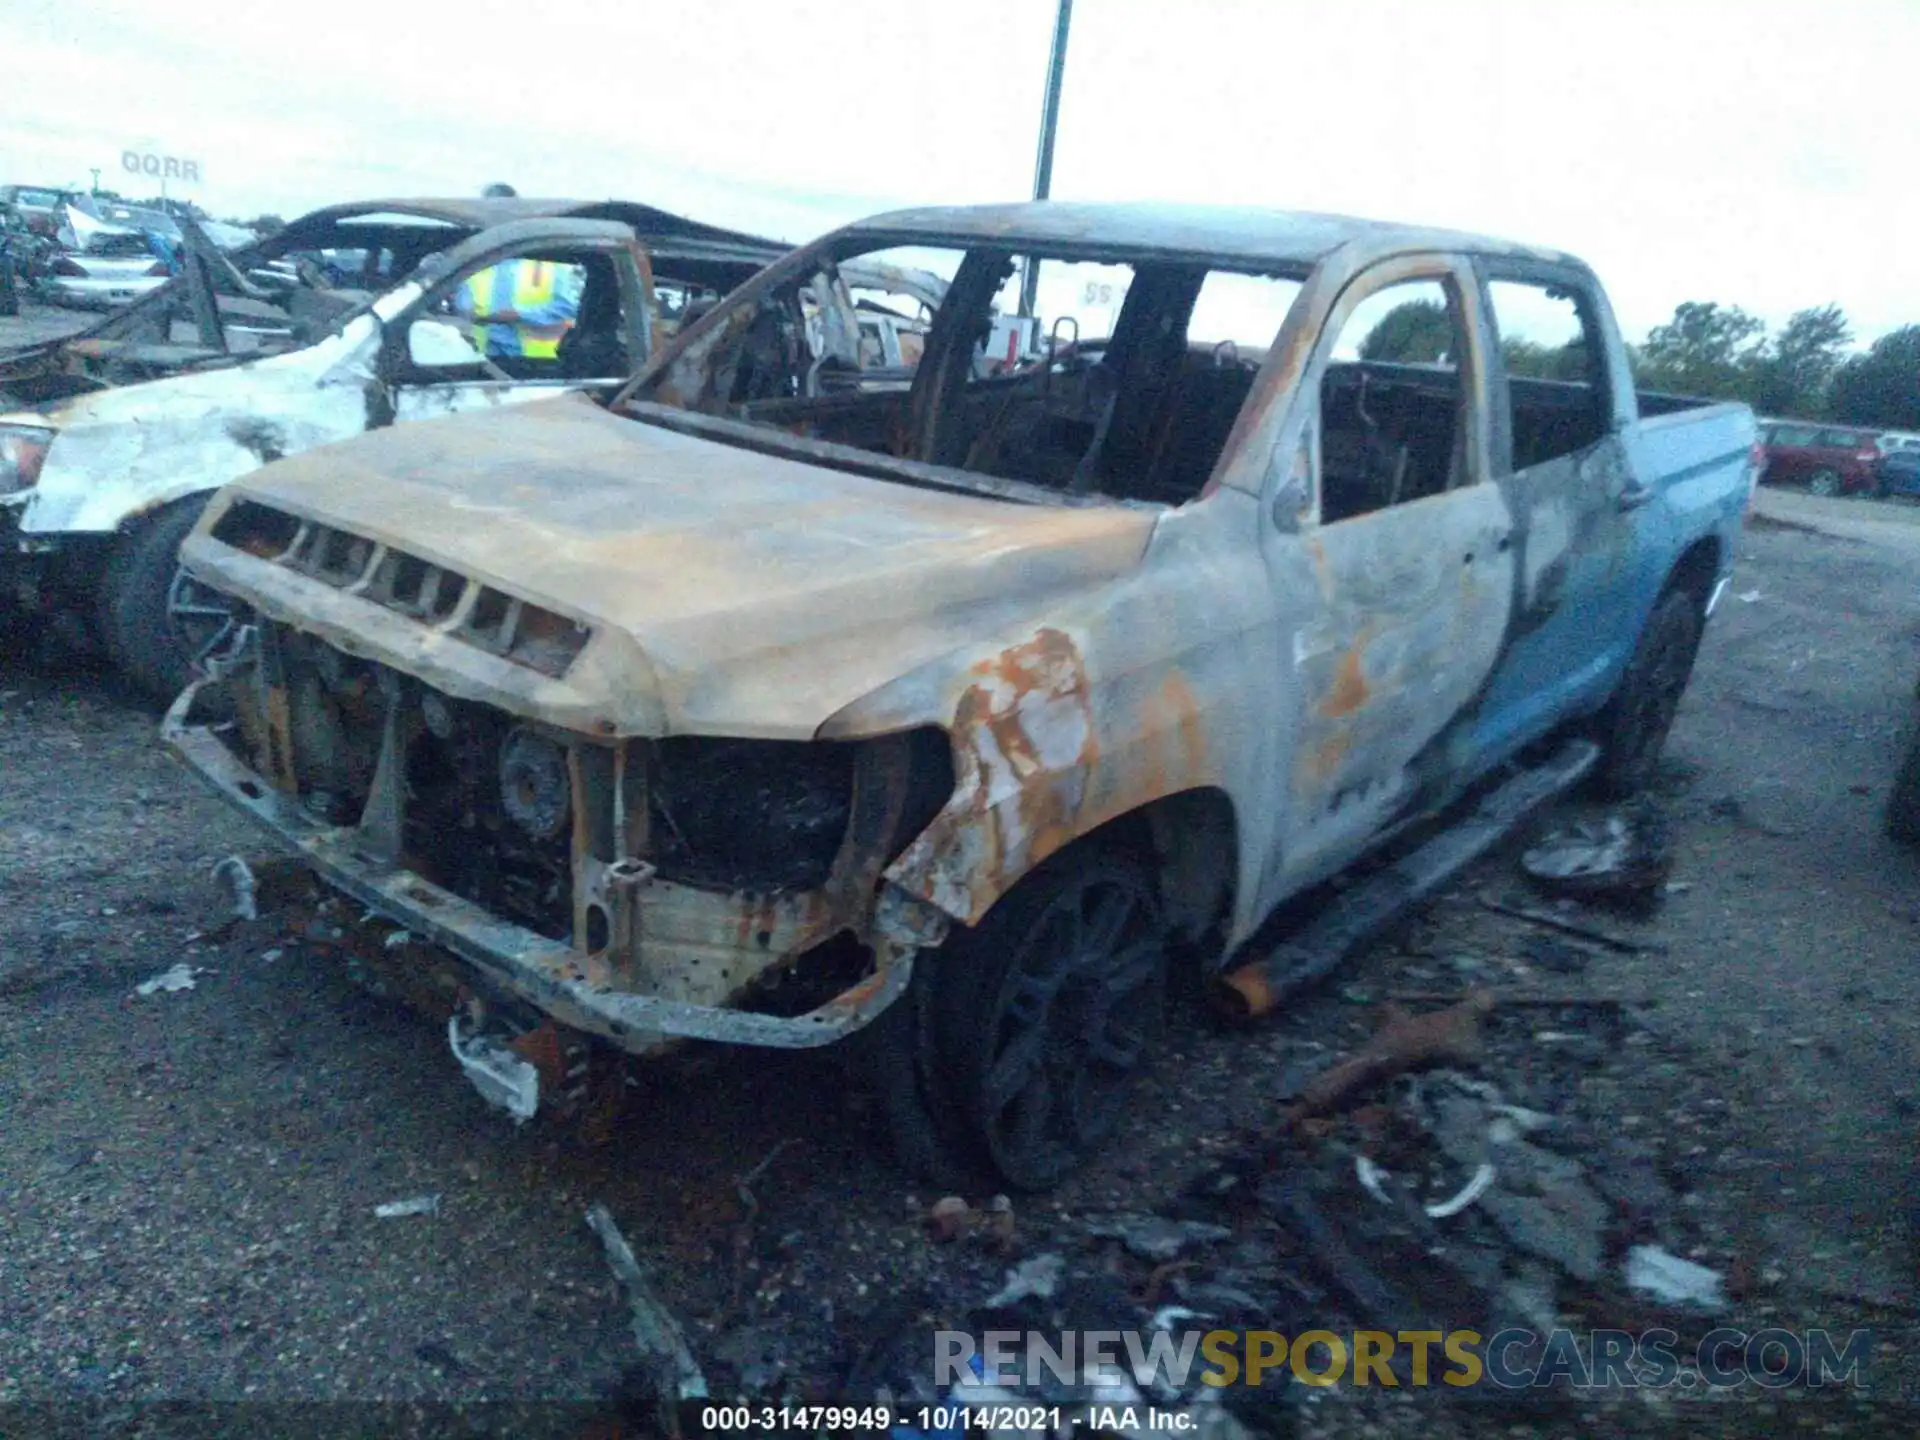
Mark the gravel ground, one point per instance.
(187, 1179)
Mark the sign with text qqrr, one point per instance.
(159, 167)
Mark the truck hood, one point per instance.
(729, 592)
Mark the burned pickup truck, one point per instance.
(759, 706)
(346, 320)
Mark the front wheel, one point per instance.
(1043, 1014)
(1633, 727)
(142, 637)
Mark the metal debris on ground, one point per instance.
(1669, 1278)
(1156, 1238)
(237, 876)
(1579, 929)
(417, 1205)
(951, 1218)
(1035, 1279)
(1627, 853)
(1406, 1042)
(663, 1344)
(174, 977)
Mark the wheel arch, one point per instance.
(1189, 838)
(1698, 567)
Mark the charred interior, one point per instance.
(1128, 388)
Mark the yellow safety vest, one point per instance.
(532, 286)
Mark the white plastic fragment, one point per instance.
(418, 1205)
(397, 939)
(1469, 1192)
(1667, 1277)
(174, 977)
(1037, 1278)
(233, 872)
(501, 1077)
(1372, 1179)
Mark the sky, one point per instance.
(1756, 153)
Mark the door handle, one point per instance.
(1633, 496)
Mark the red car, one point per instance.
(1827, 459)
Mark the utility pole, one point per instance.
(96, 179)
(1049, 122)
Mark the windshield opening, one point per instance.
(1125, 382)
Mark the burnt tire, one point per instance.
(1633, 727)
(141, 638)
(1042, 1015)
(1903, 805)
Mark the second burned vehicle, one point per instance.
(761, 704)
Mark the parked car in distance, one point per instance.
(1898, 472)
(1825, 459)
(1892, 440)
(754, 700)
(37, 205)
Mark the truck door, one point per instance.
(578, 307)
(1560, 457)
(1399, 570)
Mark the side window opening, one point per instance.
(544, 315)
(1391, 402)
(1556, 389)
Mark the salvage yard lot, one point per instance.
(187, 1179)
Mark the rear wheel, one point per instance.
(141, 636)
(1633, 727)
(1824, 482)
(1043, 1014)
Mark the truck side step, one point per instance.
(1362, 911)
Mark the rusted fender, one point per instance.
(1154, 686)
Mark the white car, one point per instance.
(112, 440)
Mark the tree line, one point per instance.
(1717, 352)
(1803, 372)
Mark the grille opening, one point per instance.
(257, 529)
(546, 642)
(488, 621)
(442, 597)
(401, 578)
(343, 556)
(524, 634)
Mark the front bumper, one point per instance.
(550, 975)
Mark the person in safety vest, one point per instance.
(520, 308)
